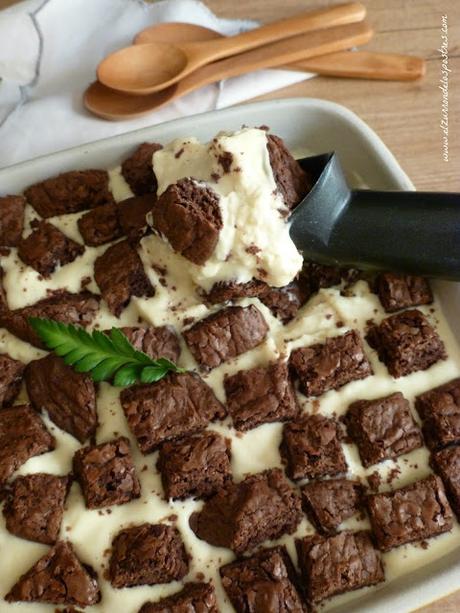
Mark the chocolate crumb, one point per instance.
(225, 160)
(374, 480)
(262, 272)
(393, 474)
(160, 270)
(85, 281)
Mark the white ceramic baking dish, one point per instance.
(306, 125)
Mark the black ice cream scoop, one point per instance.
(412, 232)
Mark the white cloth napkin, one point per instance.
(49, 50)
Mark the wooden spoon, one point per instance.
(112, 104)
(143, 69)
(355, 65)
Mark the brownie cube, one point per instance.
(284, 302)
(67, 396)
(11, 220)
(260, 395)
(23, 435)
(194, 466)
(120, 274)
(310, 447)
(243, 515)
(101, 225)
(35, 505)
(413, 513)
(396, 291)
(193, 598)
(78, 309)
(70, 192)
(47, 248)
(138, 171)
(156, 342)
(132, 214)
(148, 554)
(264, 583)
(406, 342)
(382, 428)
(332, 565)
(292, 180)
(439, 409)
(446, 463)
(330, 365)
(11, 372)
(225, 335)
(188, 215)
(329, 503)
(179, 404)
(228, 291)
(57, 578)
(106, 473)
(318, 276)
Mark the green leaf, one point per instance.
(150, 374)
(88, 362)
(121, 343)
(128, 375)
(107, 357)
(168, 365)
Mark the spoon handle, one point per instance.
(277, 54)
(307, 22)
(365, 65)
(354, 65)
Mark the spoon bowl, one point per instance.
(114, 105)
(143, 68)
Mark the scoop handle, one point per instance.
(412, 232)
(319, 19)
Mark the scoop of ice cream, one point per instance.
(253, 239)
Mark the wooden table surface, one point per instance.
(406, 115)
